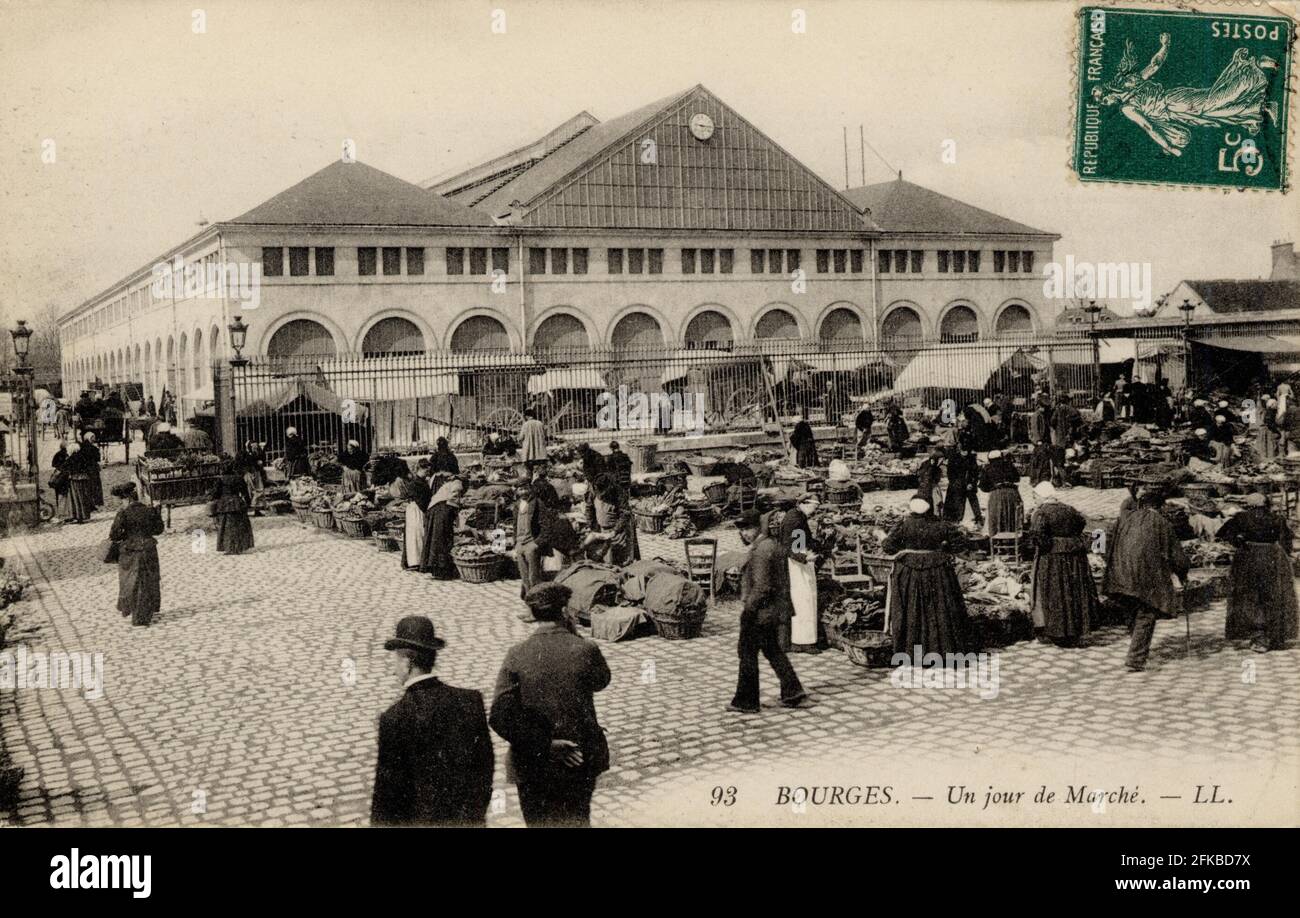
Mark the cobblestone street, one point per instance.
(253, 699)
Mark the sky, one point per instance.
(155, 127)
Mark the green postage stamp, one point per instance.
(1180, 97)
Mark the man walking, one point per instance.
(1144, 557)
(765, 593)
(435, 753)
(544, 708)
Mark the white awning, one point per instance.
(583, 377)
(961, 366)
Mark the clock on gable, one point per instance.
(701, 126)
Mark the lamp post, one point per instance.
(1187, 307)
(238, 337)
(22, 340)
(1093, 310)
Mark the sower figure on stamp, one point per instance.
(435, 753)
(765, 594)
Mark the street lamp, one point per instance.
(22, 339)
(1093, 310)
(238, 336)
(1187, 307)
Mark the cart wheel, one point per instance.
(46, 510)
(504, 419)
(743, 405)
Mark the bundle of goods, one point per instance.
(676, 605)
(701, 465)
(792, 475)
(322, 513)
(997, 595)
(851, 612)
(386, 468)
(852, 525)
(303, 492)
(651, 513)
(12, 585)
(477, 563)
(1208, 554)
(324, 465)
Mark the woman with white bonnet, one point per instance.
(924, 607)
(295, 454)
(354, 460)
(1287, 419)
(1000, 480)
(1267, 435)
(1261, 597)
(1064, 595)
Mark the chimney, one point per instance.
(1284, 262)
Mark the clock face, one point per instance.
(701, 126)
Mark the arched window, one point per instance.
(393, 335)
(183, 365)
(301, 338)
(480, 333)
(902, 326)
(198, 359)
(637, 329)
(709, 328)
(213, 337)
(561, 332)
(1014, 319)
(777, 323)
(841, 326)
(959, 324)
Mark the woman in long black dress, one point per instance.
(925, 604)
(59, 483)
(615, 524)
(295, 454)
(230, 503)
(1261, 601)
(896, 428)
(77, 466)
(1064, 595)
(94, 479)
(1000, 479)
(804, 443)
(443, 459)
(440, 531)
(139, 579)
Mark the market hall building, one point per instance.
(679, 224)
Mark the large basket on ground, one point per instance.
(841, 496)
(324, 519)
(643, 454)
(352, 525)
(1204, 489)
(680, 627)
(702, 517)
(716, 493)
(701, 465)
(387, 541)
(896, 481)
(650, 522)
(867, 648)
(479, 570)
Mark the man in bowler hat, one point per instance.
(435, 752)
(544, 708)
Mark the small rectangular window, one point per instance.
(501, 260)
(656, 257)
(884, 261)
(415, 260)
(299, 261)
(559, 261)
(325, 261)
(579, 261)
(1013, 262)
(272, 262)
(918, 259)
(688, 261)
(999, 261)
(958, 261)
(614, 261)
(706, 260)
(1027, 262)
(855, 261)
(792, 259)
(455, 260)
(775, 261)
(756, 260)
(635, 261)
(726, 259)
(973, 261)
(367, 260)
(392, 260)
(841, 260)
(478, 261)
(943, 260)
(900, 261)
(823, 260)
(536, 261)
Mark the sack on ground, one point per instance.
(591, 584)
(616, 623)
(673, 596)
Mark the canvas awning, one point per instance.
(554, 378)
(1109, 351)
(1259, 344)
(960, 366)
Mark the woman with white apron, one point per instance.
(796, 539)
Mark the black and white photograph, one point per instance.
(853, 414)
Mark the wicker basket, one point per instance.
(650, 522)
(1200, 489)
(280, 507)
(842, 496)
(878, 566)
(701, 465)
(386, 541)
(868, 648)
(354, 527)
(716, 493)
(702, 517)
(478, 570)
(679, 627)
(762, 474)
(324, 519)
(303, 513)
(898, 482)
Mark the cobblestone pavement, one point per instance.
(253, 697)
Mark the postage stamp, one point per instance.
(1179, 97)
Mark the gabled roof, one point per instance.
(354, 194)
(1242, 296)
(902, 207)
(599, 177)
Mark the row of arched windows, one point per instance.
(181, 365)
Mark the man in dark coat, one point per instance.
(544, 708)
(862, 423)
(1143, 556)
(435, 753)
(963, 476)
(765, 594)
(619, 465)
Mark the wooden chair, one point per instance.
(1005, 545)
(853, 573)
(701, 559)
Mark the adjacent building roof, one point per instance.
(354, 194)
(1242, 296)
(902, 207)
